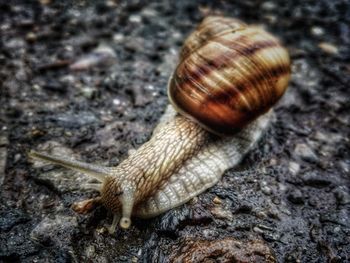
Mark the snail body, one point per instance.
(220, 109)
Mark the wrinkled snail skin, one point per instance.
(220, 109)
(202, 169)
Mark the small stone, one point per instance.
(271, 19)
(221, 213)
(258, 230)
(148, 12)
(317, 31)
(133, 45)
(329, 137)
(296, 197)
(135, 19)
(329, 48)
(345, 166)
(17, 157)
(36, 87)
(31, 37)
(271, 236)
(118, 38)
(268, 6)
(102, 56)
(3, 157)
(273, 162)
(217, 200)
(342, 195)
(88, 92)
(116, 101)
(315, 179)
(266, 190)
(304, 152)
(261, 215)
(90, 251)
(294, 168)
(37, 133)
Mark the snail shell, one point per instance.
(229, 74)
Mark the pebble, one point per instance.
(328, 48)
(3, 157)
(148, 12)
(88, 92)
(315, 179)
(268, 6)
(304, 152)
(317, 31)
(265, 188)
(271, 236)
(217, 200)
(102, 56)
(31, 37)
(342, 195)
(135, 19)
(90, 251)
(221, 213)
(133, 44)
(345, 166)
(258, 230)
(118, 38)
(268, 233)
(329, 137)
(294, 168)
(296, 197)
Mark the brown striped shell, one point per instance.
(229, 74)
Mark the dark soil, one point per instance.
(289, 200)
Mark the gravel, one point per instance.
(287, 202)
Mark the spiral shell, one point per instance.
(229, 74)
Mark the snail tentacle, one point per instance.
(96, 171)
(127, 201)
(113, 226)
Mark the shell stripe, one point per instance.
(244, 86)
(191, 80)
(221, 61)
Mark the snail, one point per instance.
(221, 93)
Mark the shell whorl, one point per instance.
(229, 74)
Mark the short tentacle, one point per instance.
(127, 201)
(113, 226)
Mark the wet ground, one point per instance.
(89, 80)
